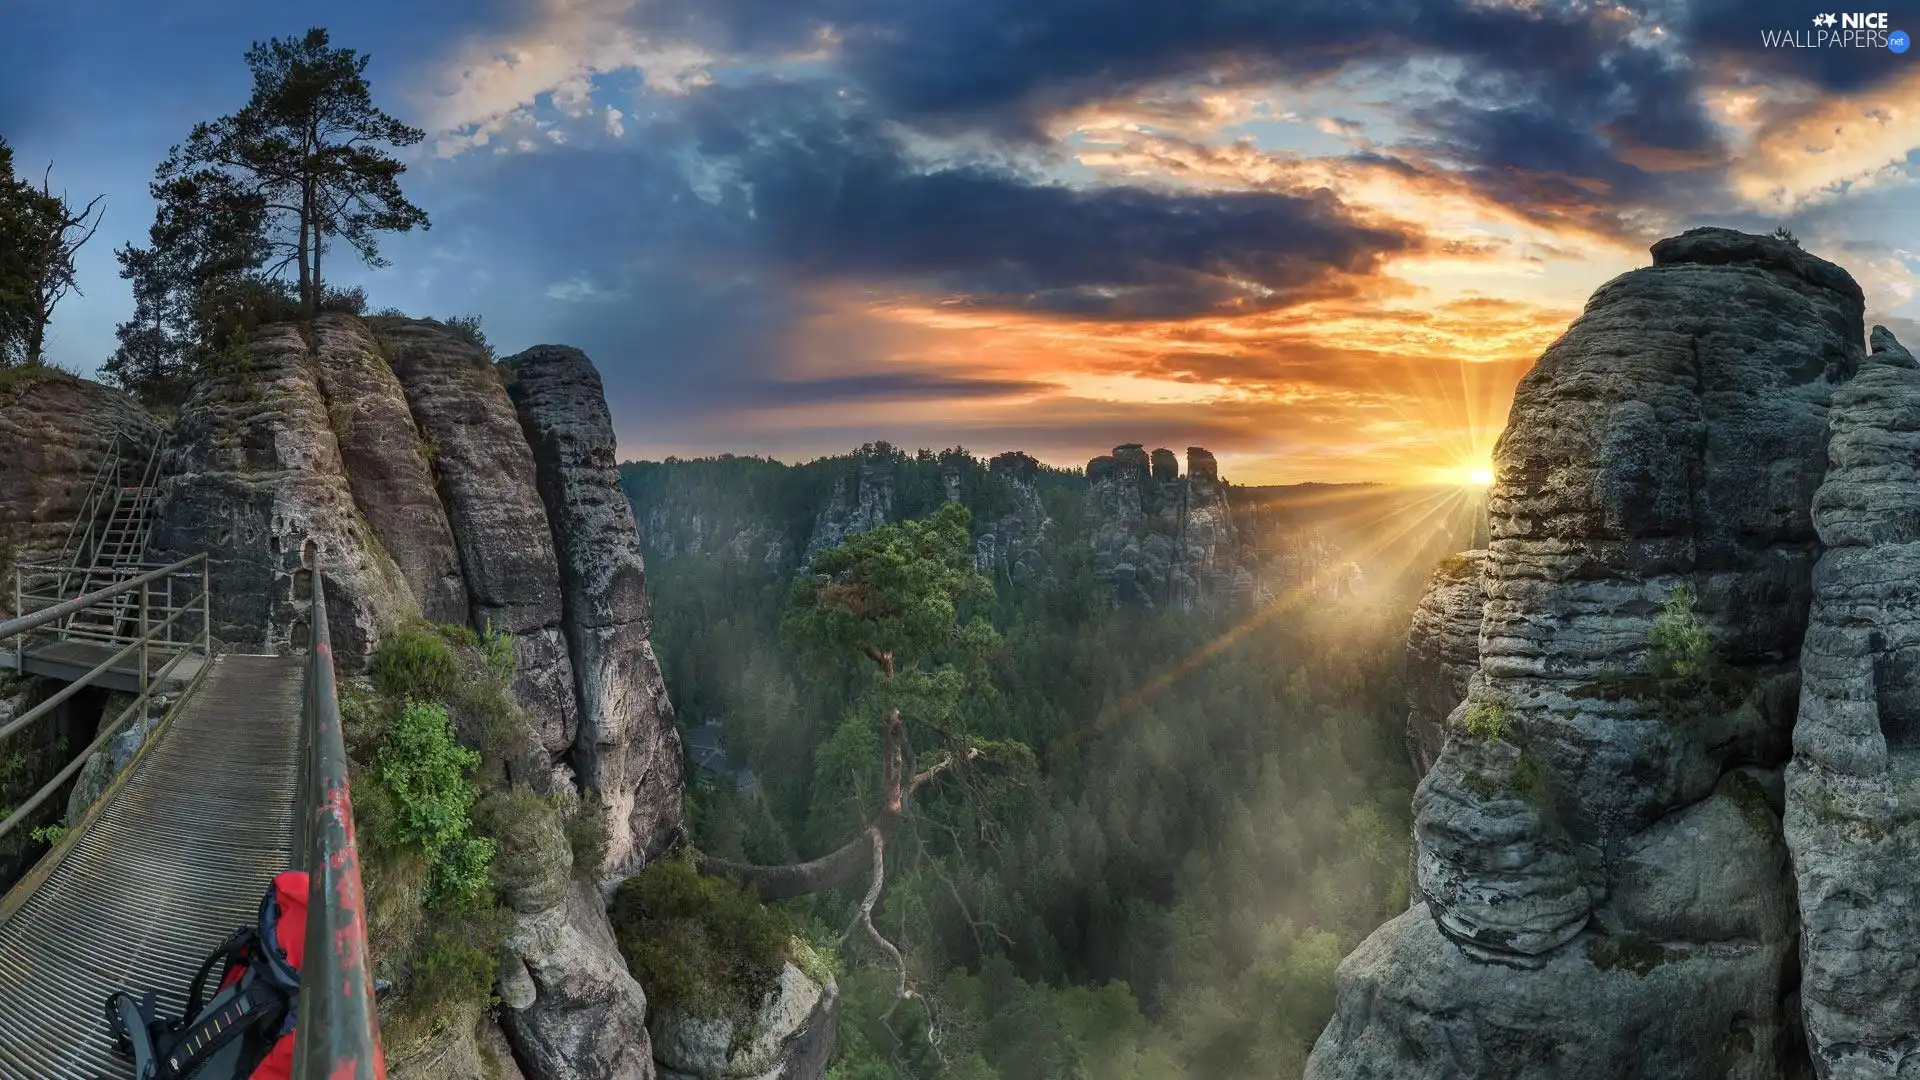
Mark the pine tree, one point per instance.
(305, 146)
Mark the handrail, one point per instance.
(90, 507)
(143, 642)
(339, 1028)
(25, 624)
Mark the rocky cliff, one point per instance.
(1160, 538)
(627, 748)
(56, 430)
(253, 476)
(1603, 887)
(1853, 790)
(1443, 651)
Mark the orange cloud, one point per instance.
(1386, 386)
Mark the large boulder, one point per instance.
(790, 1037)
(386, 464)
(627, 748)
(1674, 436)
(56, 430)
(485, 474)
(253, 477)
(1443, 650)
(1853, 790)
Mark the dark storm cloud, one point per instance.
(1005, 64)
(833, 197)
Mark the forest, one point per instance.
(1184, 819)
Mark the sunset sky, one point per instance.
(1321, 239)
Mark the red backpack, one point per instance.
(245, 1030)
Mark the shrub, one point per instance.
(1781, 233)
(700, 943)
(415, 662)
(587, 837)
(428, 775)
(1486, 720)
(467, 329)
(1678, 646)
(498, 647)
(349, 301)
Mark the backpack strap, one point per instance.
(238, 948)
(253, 1003)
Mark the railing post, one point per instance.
(146, 622)
(206, 610)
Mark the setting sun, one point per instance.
(1478, 476)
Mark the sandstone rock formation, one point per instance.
(386, 464)
(1603, 887)
(485, 475)
(627, 748)
(1443, 651)
(790, 1038)
(1853, 790)
(253, 477)
(572, 1010)
(1010, 545)
(55, 430)
(1159, 538)
(862, 500)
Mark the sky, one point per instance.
(1321, 239)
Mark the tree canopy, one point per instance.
(250, 203)
(40, 233)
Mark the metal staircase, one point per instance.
(118, 516)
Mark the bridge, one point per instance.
(242, 773)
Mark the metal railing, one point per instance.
(339, 1028)
(151, 637)
(105, 480)
(37, 586)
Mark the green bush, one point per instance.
(415, 662)
(700, 943)
(498, 647)
(349, 301)
(1678, 646)
(1486, 720)
(467, 329)
(587, 836)
(429, 777)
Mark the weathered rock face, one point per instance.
(485, 474)
(627, 748)
(1158, 538)
(1853, 790)
(1010, 546)
(862, 500)
(55, 430)
(791, 1038)
(253, 477)
(572, 1010)
(1582, 824)
(386, 464)
(1166, 467)
(1443, 650)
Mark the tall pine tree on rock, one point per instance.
(256, 197)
